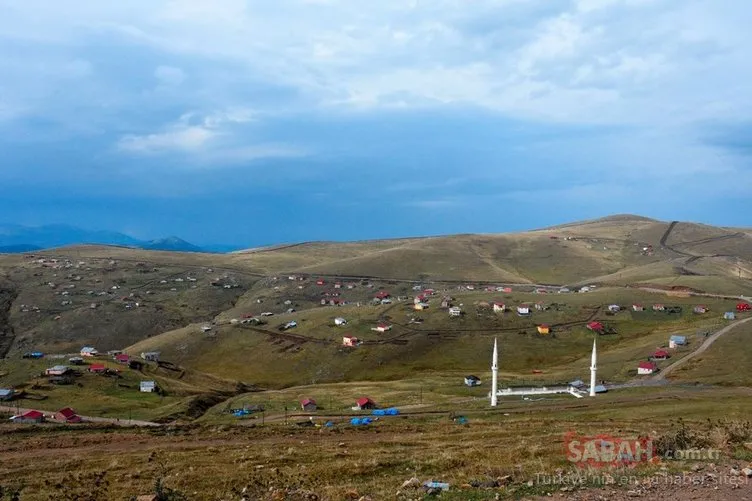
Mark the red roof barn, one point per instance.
(743, 307)
(320, 281)
(122, 358)
(97, 368)
(382, 295)
(67, 415)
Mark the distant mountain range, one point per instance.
(17, 238)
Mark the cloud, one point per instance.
(210, 138)
(180, 138)
(583, 61)
(169, 75)
(643, 66)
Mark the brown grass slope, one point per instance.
(593, 249)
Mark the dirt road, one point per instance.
(701, 349)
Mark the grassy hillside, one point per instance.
(67, 300)
(313, 352)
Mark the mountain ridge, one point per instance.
(18, 238)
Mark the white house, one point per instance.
(148, 386)
(89, 351)
(677, 340)
(614, 308)
(455, 311)
(339, 321)
(523, 309)
(499, 307)
(472, 381)
(382, 328)
(206, 328)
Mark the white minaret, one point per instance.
(494, 374)
(592, 371)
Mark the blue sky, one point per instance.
(247, 122)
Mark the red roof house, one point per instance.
(97, 368)
(661, 355)
(382, 295)
(320, 281)
(122, 358)
(637, 307)
(595, 326)
(743, 307)
(659, 307)
(29, 417)
(646, 368)
(308, 404)
(67, 415)
(365, 403)
(349, 340)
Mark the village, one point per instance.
(368, 314)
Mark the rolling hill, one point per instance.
(572, 253)
(117, 297)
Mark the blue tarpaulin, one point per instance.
(392, 411)
(361, 421)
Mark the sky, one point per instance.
(250, 122)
